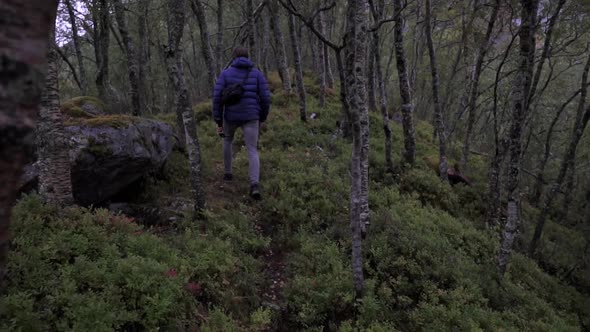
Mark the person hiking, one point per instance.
(241, 99)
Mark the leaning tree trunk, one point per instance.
(378, 12)
(22, 73)
(520, 91)
(540, 177)
(77, 47)
(356, 60)
(55, 181)
(404, 83)
(280, 42)
(182, 100)
(132, 59)
(474, 90)
(568, 161)
(199, 11)
(438, 112)
(102, 51)
(298, 68)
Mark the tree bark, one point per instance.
(568, 161)
(132, 59)
(438, 112)
(378, 11)
(371, 77)
(143, 55)
(251, 30)
(102, 43)
(265, 44)
(219, 46)
(77, 47)
(295, 45)
(474, 90)
(199, 11)
(520, 91)
(540, 177)
(546, 48)
(23, 50)
(194, 158)
(407, 107)
(55, 182)
(280, 42)
(356, 59)
(322, 62)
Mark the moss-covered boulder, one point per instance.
(110, 152)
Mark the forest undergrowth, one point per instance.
(283, 264)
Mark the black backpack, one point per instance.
(233, 93)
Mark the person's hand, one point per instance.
(220, 131)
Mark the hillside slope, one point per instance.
(282, 263)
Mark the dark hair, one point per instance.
(240, 52)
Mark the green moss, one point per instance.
(73, 107)
(114, 121)
(98, 149)
(203, 111)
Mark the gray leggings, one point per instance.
(250, 130)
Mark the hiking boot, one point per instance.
(255, 192)
(228, 177)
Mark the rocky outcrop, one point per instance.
(110, 152)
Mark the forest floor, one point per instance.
(283, 263)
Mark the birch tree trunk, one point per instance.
(132, 59)
(76, 41)
(143, 55)
(322, 62)
(295, 45)
(356, 61)
(194, 158)
(219, 46)
(280, 42)
(438, 112)
(474, 90)
(407, 107)
(251, 30)
(55, 182)
(23, 49)
(188, 129)
(102, 51)
(568, 161)
(199, 11)
(520, 90)
(378, 12)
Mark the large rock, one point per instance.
(110, 152)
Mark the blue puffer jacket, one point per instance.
(255, 102)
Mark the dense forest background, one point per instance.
(423, 169)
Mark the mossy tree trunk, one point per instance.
(23, 49)
(378, 11)
(132, 58)
(520, 90)
(194, 158)
(438, 112)
(55, 182)
(356, 62)
(275, 21)
(199, 11)
(101, 49)
(407, 107)
(295, 45)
